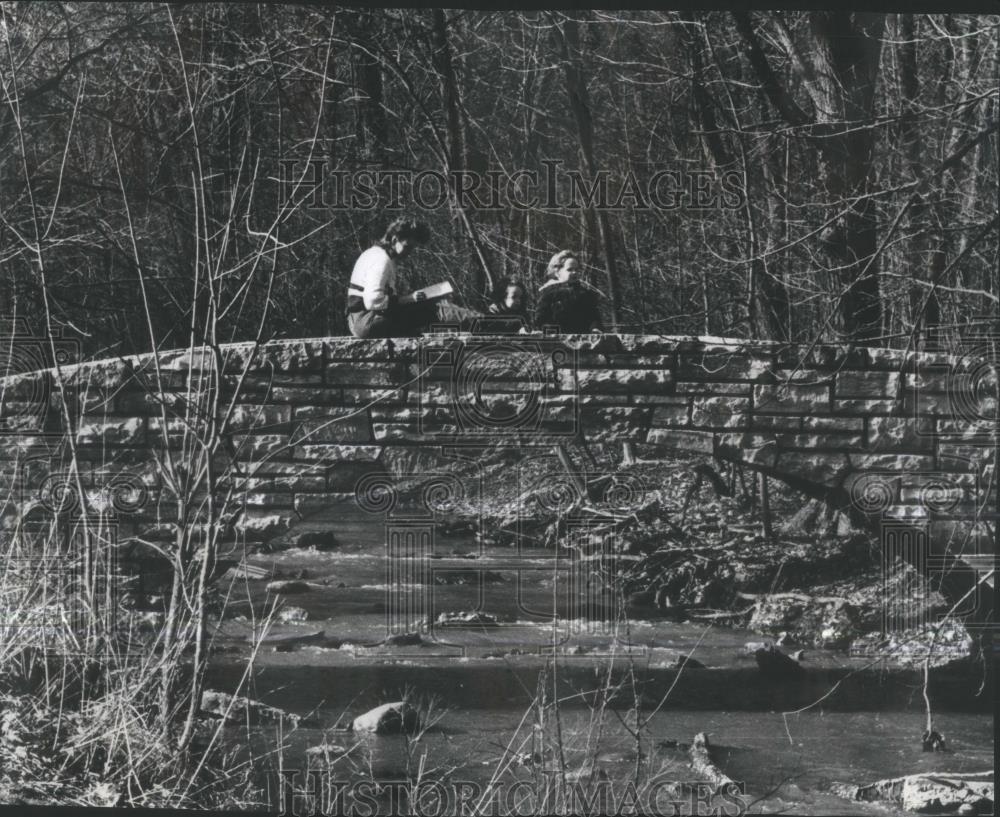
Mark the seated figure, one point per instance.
(373, 308)
(564, 301)
(510, 306)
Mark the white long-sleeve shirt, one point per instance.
(373, 279)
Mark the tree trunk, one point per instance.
(847, 48)
(576, 89)
(838, 73)
(371, 130)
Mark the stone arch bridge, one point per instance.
(905, 440)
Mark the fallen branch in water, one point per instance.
(794, 597)
(702, 763)
(948, 791)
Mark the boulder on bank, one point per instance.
(394, 718)
(932, 792)
(319, 539)
(290, 615)
(821, 621)
(942, 645)
(774, 664)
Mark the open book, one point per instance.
(435, 292)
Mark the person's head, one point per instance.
(563, 267)
(511, 295)
(403, 235)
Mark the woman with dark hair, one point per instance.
(564, 301)
(510, 303)
(373, 308)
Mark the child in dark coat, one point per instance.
(566, 302)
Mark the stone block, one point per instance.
(842, 424)
(291, 356)
(636, 361)
(867, 408)
(100, 376)
(375, 397)
(268, 469)
(925, 404)
(244, 417)
(932, 379)
(901, 434)
(348, 427)
(767, 422)
(307, 504)
(608, 381)
(610, 424)
(150, 403)
(111, 430)
(892, 360)
(263, 499)
(366, 374)
(257, 524)
(287, 483)
(412, 432)
(756, 449)
(697, 441)
(175, 427)
(826, 356)
(328, 452)
(828, 442)
(351, 349)
(604, 399)
(198, 359)
(791, 399)
(655, 400)
(800, 377)
(256, 446)
(713, 389)
(823, 468)
(671, 416)
(721, 366)
(268, 381)
(866, 385)
(720, 412)
(892, 462)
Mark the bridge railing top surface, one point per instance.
(289, 352)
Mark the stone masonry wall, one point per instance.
(894, 435)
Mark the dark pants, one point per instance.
(410, 320)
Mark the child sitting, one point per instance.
(564, 301)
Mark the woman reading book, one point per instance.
(374, 308)
(564, 301)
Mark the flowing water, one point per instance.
(858, 722)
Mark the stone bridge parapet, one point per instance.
(895, 436)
